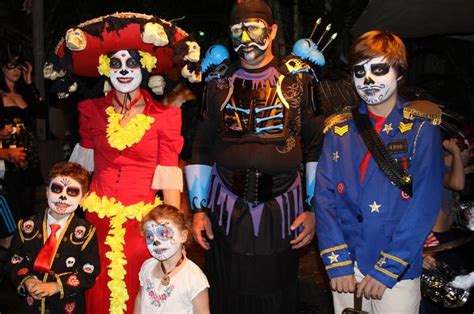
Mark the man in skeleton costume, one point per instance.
(245, 189)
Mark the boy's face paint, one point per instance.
(64, 195)
(375, 80)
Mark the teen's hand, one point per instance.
(45, 289)
(29, 285)
(343, 284)
(371, 288)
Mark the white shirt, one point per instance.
(61, 222)
(177, 297)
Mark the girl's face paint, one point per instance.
(163, 239)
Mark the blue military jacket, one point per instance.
(372, 222)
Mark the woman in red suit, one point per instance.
(129, 140)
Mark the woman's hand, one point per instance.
(26, 71)
(17, 156)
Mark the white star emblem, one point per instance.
(375, 207)
(335, 156)
(381, 261)
(387, 128)
(333, 258)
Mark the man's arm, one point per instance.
(312, 137)
(198, 172)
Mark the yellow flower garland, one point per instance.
(118, 214)
(121, 137)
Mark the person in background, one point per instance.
(380, 174)
(15, 156)
(19, 104)
(456, 158)
(456, 167)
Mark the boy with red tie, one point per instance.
(55, 253)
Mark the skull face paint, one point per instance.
(375, 80)
(162, 239)
(250, 38)
(125, 72)
(64, 195)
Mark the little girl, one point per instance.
(170, 283)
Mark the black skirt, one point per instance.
(248, 273)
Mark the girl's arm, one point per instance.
(201, 302)
(138, 302)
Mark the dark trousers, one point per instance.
(251, 282)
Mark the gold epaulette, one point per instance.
(423, 109)
(336, 118)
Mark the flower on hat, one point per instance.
(147, 60)
(104, 65)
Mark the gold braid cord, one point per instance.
(423, 109)
(335, 119)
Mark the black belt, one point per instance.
(252, 185)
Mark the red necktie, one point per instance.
(46, 254)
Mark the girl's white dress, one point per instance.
(178, 295)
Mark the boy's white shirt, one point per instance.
(61, 222)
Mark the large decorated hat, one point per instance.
(82, 47)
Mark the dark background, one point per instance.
(439, 35)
